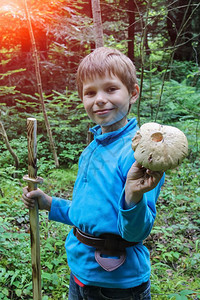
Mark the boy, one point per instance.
(113, 207)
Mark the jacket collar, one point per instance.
(110, 136)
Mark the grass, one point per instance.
(174, 242)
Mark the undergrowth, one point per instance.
(174, 241)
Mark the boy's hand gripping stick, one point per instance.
(33, 180)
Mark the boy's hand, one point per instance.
(139, 181)
(29, 199)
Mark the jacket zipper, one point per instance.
(85, 178)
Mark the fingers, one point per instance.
(28, 202)
(136, 171)
(154, 177)
(29, 198)
(137, 165)
(25, 190)
(156, 174)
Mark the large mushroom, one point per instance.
(159, 147)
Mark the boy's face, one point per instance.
(107, 100)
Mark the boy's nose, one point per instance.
(100, 99)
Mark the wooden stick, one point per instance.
(33, 213)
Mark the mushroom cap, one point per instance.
(159, 147)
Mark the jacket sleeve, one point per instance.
(135, 224)
(60, 211)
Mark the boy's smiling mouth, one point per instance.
(103, 111)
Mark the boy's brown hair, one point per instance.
(106, 60)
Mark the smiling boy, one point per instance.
(107, 101)
(114, 198)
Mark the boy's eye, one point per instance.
(89, 93)
(111, 89)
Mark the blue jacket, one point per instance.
(98, 207)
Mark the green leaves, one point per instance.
(15, 265)
(180, 101)
(183, 295)
(8, 73)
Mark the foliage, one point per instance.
(69, 124)
(15, 279)
(179, 100)
(174, 241)
(60, 31)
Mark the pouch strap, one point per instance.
(105, 241)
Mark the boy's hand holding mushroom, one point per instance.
(157, 149)
(139, 181)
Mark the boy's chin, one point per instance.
(114, 125)
(113, 122)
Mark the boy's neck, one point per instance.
(115, 126)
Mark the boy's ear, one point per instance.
(135, 94)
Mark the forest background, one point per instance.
(162, 37)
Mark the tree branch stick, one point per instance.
(33, 213)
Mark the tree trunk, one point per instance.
(5, 137)
(143, 53)
(98, 28)
(39, 85)
(131, 28)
